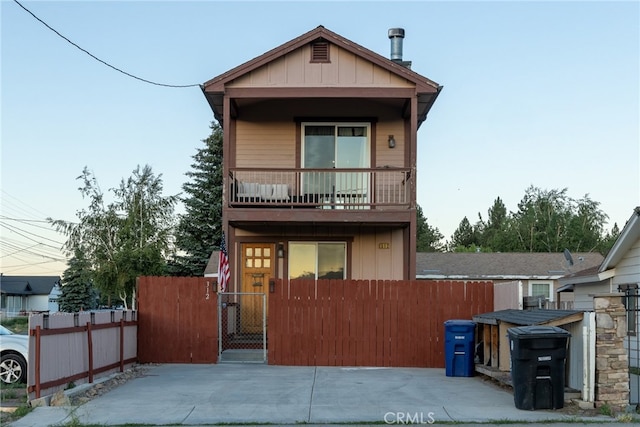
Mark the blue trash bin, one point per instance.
(459, 348)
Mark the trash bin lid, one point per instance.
(537, 331)
(460, 322)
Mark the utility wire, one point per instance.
(98, 59)
(20, 232)
(29, 222)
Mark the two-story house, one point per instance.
(320, 143)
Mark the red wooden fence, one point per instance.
(324, 323)
(368, 323)
(177, 320)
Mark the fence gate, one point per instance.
(631, 302)
(242, 327)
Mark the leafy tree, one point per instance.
(542, 220)
(429, 239)
(127, 238)
(585, 228)
(546, 221)
(199, 229)
(550, 221)
(78, 292)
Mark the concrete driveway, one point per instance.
(256, 393)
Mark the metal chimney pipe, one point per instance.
(396, 35)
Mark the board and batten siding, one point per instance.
(296, 70)
(378, 255)
(273, 144)
(386, 156)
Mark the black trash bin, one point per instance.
(538, 356)
(459, 345)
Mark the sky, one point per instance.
(541, 93)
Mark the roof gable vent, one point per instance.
(320, 51)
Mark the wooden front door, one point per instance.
(258, 266)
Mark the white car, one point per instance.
(14, 353)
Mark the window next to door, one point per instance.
(317, 260)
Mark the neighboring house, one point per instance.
(319, 169)
(618, 272)
(519, 278)
(24, 294)
(211, 270)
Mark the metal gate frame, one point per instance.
(223, 308)
(632, 304)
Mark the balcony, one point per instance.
(345, 189)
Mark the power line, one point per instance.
(30, 211)
(20, 232)
(98, 59)
(34, 254)
(29, 222)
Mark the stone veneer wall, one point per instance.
(612, 360)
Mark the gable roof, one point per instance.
(426, 89)
(500, 266)
(629, 235)
(28, 285)
(211, 270)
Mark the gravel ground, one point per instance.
(100, 388)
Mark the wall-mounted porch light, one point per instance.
(392, 142)
(280, 250)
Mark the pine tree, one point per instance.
(429, 239)
(78, 292)
(199, 229)
(463, 237)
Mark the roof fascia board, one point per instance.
(319, 92)
(593, 279)
(487, 277)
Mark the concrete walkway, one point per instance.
(257, 393)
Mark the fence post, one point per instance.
(90, 348)
(122, 345)
(37, 367)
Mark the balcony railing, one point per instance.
(320, 188)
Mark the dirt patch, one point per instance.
(13, 402)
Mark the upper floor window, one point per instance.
(328, 146)
(336, 146)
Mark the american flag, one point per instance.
(223, 267)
